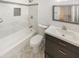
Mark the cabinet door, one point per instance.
(47, 55)
(58, 51)
(62, 43)
(51, 48)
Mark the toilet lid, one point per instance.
(36, 39)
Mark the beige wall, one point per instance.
(45, 13)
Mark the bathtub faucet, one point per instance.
(30, 26)
(1, 20)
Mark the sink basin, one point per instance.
(68, 34)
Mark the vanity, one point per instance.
(61, 43)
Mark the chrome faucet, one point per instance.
(64, 27)
(30, 26)
(1, 20)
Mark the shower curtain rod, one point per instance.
(8, 2)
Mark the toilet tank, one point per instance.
(42, 28)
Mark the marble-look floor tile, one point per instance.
(28, 53)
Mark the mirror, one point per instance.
(66, 13)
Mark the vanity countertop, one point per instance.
(75, 41)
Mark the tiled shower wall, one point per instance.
(18, 1)
(7, 13)
(33, 17)
(22, 1)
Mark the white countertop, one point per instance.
(75, 41)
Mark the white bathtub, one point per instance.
(13, 34)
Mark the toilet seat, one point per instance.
(36, 40)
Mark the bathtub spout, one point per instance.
(30, 26)
(1, 20)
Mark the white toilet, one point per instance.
(36, 42)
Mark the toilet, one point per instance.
(36, 41)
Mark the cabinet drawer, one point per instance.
(58, 51)
(64, 53)
(62, 43)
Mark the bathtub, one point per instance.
(12, 35)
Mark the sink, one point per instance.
(68, 34)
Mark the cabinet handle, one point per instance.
(62, 44)
(62, 52)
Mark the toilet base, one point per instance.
(36, 43)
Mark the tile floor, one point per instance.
(29, 54)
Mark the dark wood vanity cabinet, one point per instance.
(56, 48)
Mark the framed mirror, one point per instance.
(66, 13)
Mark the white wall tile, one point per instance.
(33, 11)
(7, 13)
(18, 1)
